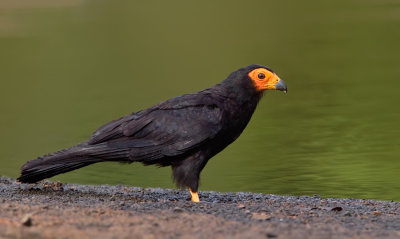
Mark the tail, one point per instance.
(56, 163)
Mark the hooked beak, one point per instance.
(280, 85)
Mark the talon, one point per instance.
(195, 196)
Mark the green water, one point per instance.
(67, 67)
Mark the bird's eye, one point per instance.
(261, 76)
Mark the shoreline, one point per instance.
(56, 210)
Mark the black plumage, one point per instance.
(183, 132)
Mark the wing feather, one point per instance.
(166, 130)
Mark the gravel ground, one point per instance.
(55, 210)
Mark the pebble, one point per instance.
(271, 235)
(27, 220)
(337, 209)
(178, 210)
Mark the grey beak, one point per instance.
(281, 86)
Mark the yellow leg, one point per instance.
(195, 196)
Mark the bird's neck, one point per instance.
(245, 95)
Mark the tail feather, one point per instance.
(36, 174)
(66, 160)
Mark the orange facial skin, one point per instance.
(264, 79)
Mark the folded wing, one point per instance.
(166, 130)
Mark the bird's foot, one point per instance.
(195, 196)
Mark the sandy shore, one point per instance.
(55, 210)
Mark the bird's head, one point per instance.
(252, 81)
(264, 78)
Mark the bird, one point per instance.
(182, 132)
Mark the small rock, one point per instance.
(337, 209)
(58, 185)
(27, 220)
(178, 210)
(347, 214)
(377, 213)
(271, 235)
(260, 216)
(241, 206)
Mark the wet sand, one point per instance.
(55, 210)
